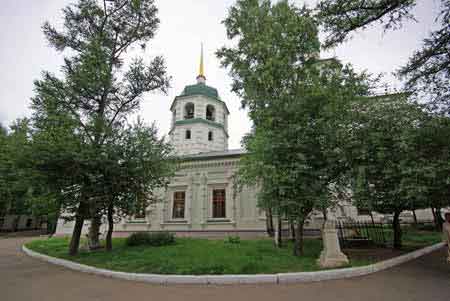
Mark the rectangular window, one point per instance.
(179, 200)
(140, 212)
(188, 134)
(141, 206)
(219, 203)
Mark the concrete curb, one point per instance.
(300, 277)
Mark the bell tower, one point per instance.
(199, 118)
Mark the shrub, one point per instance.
(161, 239)
(234, 239)
(150, 239)
(426, 227)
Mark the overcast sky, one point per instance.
(24, 53)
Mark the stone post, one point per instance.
(331, 256)
(276, 232)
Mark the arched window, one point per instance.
(210, 113)
(210, 136)
(189, 109)
(188, 134)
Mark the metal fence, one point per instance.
(358, 234)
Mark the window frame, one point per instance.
(189, 114)
(140, 213)
(212, 110)
(188, 134)
(221, 211)
(174, 205)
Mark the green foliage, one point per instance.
(380, 149)
(15, 175)
(341, 17)
(91, 160)
(398, 156)
(427, 71)
(426, 227)
(150, 239)
(193, 257)
(201, 256)
(296, 102)
(234, 239)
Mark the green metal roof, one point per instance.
(200, 89)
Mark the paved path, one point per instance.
(24, 278)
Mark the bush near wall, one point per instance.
(150, 239)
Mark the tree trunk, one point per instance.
(397, 230)
(94, 233)
(292, 224)
(415, 217)
(439, 220)
(298, 244)
(434, 218)
(52, 223)
(76, 234)
(110, 228)
(280, 231)
(371, 217)
(15, 224)
(269, 222)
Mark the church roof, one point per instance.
(215, 155)
(200, 89)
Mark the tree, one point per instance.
(428, 70)
(295, 101)
(381, 148)
(432, 183)
(14, 176)
(139, 167)
(98, 91)
(3, 161)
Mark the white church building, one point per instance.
(201, 199)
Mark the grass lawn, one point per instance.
(415, 239)
(189, 256)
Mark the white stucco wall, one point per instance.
(199, 130)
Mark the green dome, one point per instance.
(200, 89)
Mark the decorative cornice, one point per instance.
(199, 120)
(212, 163)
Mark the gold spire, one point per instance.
(201, 71)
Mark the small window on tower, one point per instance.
(210, 113)
(188, 134)
(189, 109)
(210, 136)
